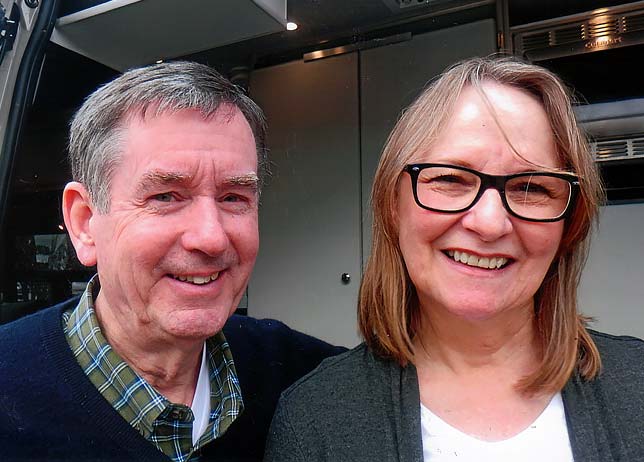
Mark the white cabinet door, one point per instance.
(310, 211)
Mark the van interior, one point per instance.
(331, 89)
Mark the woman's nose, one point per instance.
(488, 217)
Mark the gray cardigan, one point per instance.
(357, 407)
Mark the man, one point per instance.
(168, 163)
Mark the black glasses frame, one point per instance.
(497, 182)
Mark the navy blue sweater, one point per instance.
(49, 410)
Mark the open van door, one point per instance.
(25, 28)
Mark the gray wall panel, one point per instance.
(392, 76)
(612, 287)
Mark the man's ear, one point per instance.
(77, 212)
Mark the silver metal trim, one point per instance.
(547, 23)
(320, 54)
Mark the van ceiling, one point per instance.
(330, 23)
(126, 33)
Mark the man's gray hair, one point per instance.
(97, 128)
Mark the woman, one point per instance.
(474, 349)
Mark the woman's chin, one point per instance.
(478, 311)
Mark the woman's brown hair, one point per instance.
(388, 309)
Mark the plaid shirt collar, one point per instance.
(167, 425)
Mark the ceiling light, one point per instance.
(291, 26)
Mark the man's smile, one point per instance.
(198, 280)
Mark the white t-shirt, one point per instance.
(546, 439)
(201, 401)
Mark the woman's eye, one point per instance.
(532, 188)
(449, 179)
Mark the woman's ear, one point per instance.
(77, 212)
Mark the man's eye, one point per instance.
(163, 197)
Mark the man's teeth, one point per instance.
(473, 260)
(198, 279)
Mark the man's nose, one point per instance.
(488, 217)
(204, 228)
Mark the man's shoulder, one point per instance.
(42, 315)
(30, 362)
(22, 341)
(23, 329)
(253, 326)
(268, 353)
(268, 336)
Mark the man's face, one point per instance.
(176, 249)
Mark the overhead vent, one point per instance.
(618, 149)
(595, 30)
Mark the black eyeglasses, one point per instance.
(533, 196)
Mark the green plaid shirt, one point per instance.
(166, 425)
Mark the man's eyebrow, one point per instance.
(155, 178)
(249, 179)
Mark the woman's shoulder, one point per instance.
(607, 411)
(620, 352)
(352, 381)
(333, 412)
(344, 372)
(622, 366)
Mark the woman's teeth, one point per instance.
(480, 262)
(199, 280)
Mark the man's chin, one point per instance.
(197, 324)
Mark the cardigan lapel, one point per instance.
(594, 436)
(405, 397)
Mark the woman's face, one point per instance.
(428, 240)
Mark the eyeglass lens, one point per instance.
(539, 197)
